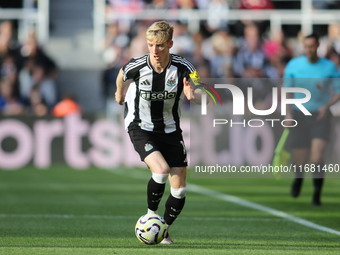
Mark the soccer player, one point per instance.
(309, 138)
(152, 116)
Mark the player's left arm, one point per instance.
(193, 92)
(190, 92)
(323, 110)
(120, 94)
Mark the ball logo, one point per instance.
(157, 96)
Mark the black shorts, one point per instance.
(308, 128)
(171, 146)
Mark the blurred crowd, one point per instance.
(242, 49)
(135, 5)
(28, 78)
(219, 49)
(27, 75)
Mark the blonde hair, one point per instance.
(160, 31)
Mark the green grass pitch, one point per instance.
(64, 211)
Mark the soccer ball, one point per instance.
(150, 229)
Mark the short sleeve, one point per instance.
(127, 72)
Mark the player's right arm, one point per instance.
(120, 92)
(323, 110)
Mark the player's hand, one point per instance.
(323, 110)
(188, 90)
(119, 98)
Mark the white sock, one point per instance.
(152, 212)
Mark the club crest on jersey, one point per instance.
(171, 82)
(157, 96)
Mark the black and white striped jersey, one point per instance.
(153, 99)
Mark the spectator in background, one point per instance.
(217, 12)
(126, 5)
(116, 35)
(219, 50)
(251, 63)
(198, 58)
(38, 70)
(334, 36)
(330, 44)
(8, 46)
(125, 10)
(186, 4)
(28, 51)
(324, 4)
(250, 60)
(44, 74)
(263, 25)
(37, 106)
(202, 4)
(330, 40)
(9, 103)
(278, 53)
(183, 42)
(256, 4)
(138, 45)
(116, 50)
(9, 56)
(9, 70)
(161, 4)
(114, 44)
(333, 56)
(25, 71)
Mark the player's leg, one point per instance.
(318, 149)
(156, 185)
(300, 158)
(321, 130)
(300, 143)
(176, 199)
(175, 154)
(145, 143)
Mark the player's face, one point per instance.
(159, 52)
(310, 47)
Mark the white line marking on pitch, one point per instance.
(236, 200)
(122, 217)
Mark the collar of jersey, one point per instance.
(150, 66)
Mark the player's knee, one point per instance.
(178, 193)
(160, 178)
(316, 159)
